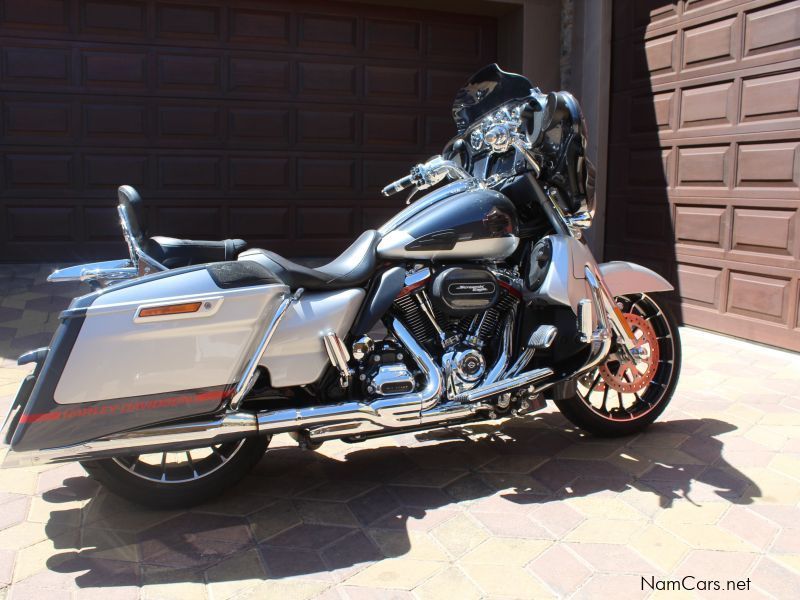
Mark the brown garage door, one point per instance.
(704, 159)
(273, 121)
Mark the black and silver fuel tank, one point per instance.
(458, 221)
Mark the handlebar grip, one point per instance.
(398, 186)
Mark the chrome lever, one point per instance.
(338, 355)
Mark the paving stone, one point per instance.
(166, 583)
(367, 593)
(395, 573)
(325, 513)
(350, 554)
(450, 583)
(273, 519)
(459, 535)
(613, 558)
(660, 547)
(415, 518)
(506, 581)
(560, 570)
(717, 565)
(748, 525)
(420, 497)
(309, 536)
(283, 589)
(418, 545)
(502, 525)
(373, 505)
(505, 551)
(557, 517)
(605, 585)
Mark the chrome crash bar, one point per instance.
(248, 378)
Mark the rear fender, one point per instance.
(623, 277)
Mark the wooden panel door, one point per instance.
(704, 158)
(277, 122)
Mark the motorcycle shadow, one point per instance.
(325, 515)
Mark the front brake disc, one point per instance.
(633, 377)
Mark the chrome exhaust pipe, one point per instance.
(354, 418)
(500, 366)
(506, 385)
(165, 438)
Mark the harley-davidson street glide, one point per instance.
(478, 300)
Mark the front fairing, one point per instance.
(486, 90)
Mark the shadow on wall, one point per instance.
(639, 222)
(307, 514)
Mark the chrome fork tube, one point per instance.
(601, 336)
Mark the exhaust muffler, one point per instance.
(164, 438)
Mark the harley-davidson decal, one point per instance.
(131, 406)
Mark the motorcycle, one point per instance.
(479, 300)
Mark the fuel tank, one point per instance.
(469, 223)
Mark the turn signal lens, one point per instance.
(170, 309)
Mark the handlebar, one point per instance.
(398, 185)
(426, 175)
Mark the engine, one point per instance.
(456, 314)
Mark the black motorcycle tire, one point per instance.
(577, 411)
(153, 494)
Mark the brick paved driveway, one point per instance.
(521, 509)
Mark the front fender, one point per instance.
(623, 277)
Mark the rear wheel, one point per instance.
(619, 397)
(178, 479)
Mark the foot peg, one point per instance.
(541, 339)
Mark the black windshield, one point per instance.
(486, 90)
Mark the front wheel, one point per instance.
(178, 479)
(620, 398)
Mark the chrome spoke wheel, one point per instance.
(182, 466)
(621, 390)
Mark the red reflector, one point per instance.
(170, 309)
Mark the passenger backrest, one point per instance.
(132, 204)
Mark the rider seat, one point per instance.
(351, 268)
(172, 252)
